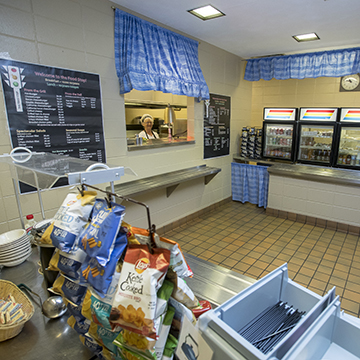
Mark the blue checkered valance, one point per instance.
(149, 57)
(311, 65)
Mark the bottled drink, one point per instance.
(30, 222)
(348, 160)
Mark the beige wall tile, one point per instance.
(16, 23)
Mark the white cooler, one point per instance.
(219, 327)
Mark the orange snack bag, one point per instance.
(135, 300)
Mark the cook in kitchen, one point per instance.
(147, 122)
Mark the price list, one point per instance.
(216, 126)
(54, 110)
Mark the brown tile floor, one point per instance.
(243, 238)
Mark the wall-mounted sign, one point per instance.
(217, 126)
(53, 110)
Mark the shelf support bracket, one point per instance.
(170, 189)
(208, 178)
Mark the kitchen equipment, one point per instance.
(347, 153)
(279, 134)
(53, 307)
(317, 131)
(10, 331)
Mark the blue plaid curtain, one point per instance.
(250, 183)
(311, 65)
(149, 57)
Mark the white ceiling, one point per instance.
(260, 27)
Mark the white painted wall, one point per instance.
(325, 201)
(78, 34)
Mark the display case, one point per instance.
(317, 136)
(279, 128)
(348, 150)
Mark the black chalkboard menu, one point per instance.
(217, 126)
(53, 110)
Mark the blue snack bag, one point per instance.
(70, 290)
(68, 263)
(70, 219)
(98, 238)
(100, 277)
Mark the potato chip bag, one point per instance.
(97, 239)
(177, 259)
(99, 277)
(182, 292)
(80, 326)
(163, 296)
(129, 233)
(108, 355)
(104, 336)
(69, 289)
(181, 311)
(96, 308)
(135, 300)
(164, 332)
(144, 346)
(68, 263)
(170, 347)
(91, 344)
(70, 219)
(75, 311)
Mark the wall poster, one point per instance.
(53, 110)
(217, 126)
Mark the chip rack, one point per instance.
(44, 171)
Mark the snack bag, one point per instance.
(96, 308)
(71, 217)
(164, 332)
(177, 259)
(180, 311)
(129, 233)
(80, 326)
(75, 311)
(170, 347)
(141, 277)
(182, 292)
(104, 336)
(68, 263)
(97, 239)
(69, 289)
(108, 355)
(163, 296)
(99, 277)
(91, 344)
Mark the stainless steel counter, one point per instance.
(159, 143)
(323, 174)
(317, 173)
(43, 338)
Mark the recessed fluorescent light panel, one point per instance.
(306, 37)
(206, 12)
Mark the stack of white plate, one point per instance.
(15, 247)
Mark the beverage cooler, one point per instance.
(316, 140)
(279, 133)
(348, 151)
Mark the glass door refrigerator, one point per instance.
(279, 128)
(348, 150)
(317, 136)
